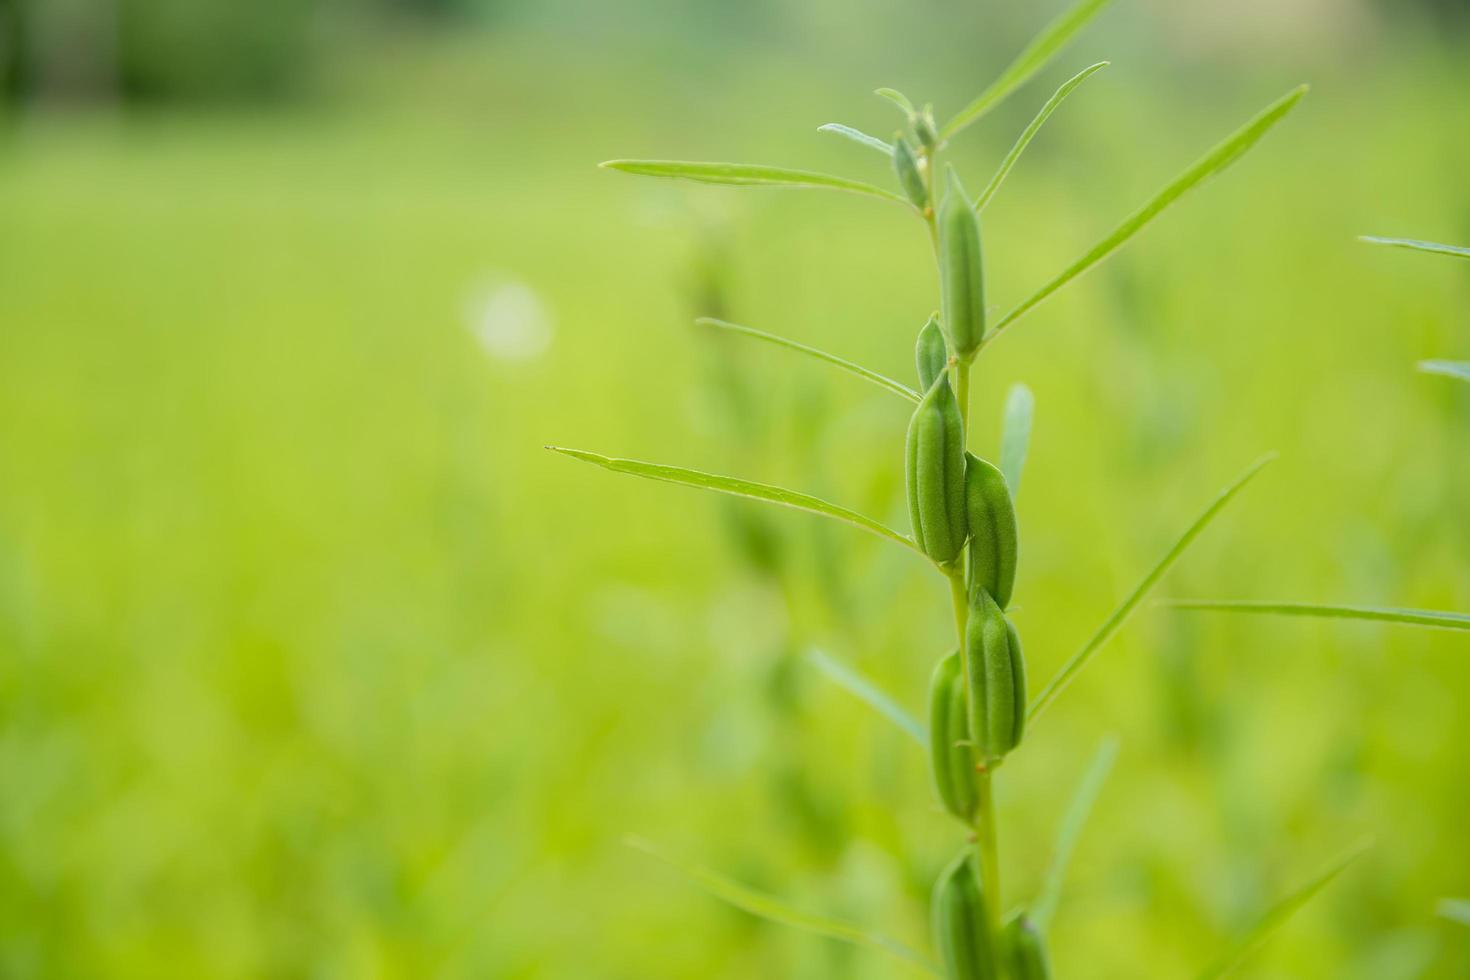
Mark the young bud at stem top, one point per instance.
(930, 353)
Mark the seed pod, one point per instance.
(961, 272)
(930, 353)
(906, 165)
(935, 471)
(991, 518)
(997, 679)
(924, 128)
(1024, 950)
(950, 752)
(961, 930)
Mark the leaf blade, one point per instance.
(736, 487)
(1215, 161)
(860, 687)
(1029, 133)
(897, 98)
(1277, 915)
(1418, 245)
(857, 136)
(1043, 47)
(1074, 819)
(1450, 369)
(1435, 619)
(1120, 615)
(763, 906)
(748, 175)
(882, 381)
(1015, 437)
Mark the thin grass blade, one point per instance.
(1045, 906)
(897, 98)
(1045, 46)
(1455, 909)
(1015, 436)
(1383, 614)
(1459, 251)
(886, 383)
(858, 136)
(765, 907)
(749, 175)
(1451, 369)
(1029, 133)
(1277, 915)
(1212, 163)
(1120, 615)
(738, 488)
(850, 680)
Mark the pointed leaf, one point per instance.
(765, 907)
(1277, 915)
(871, 694)
(1029, 133)
(736, 487)
(1383, 614)
(745, 174)
(1452, 369)
(857, 136)
(1045, 906)
(1459, 251)
(1015, 437)
(1207, 166)
(897, 98)
(1455, 909)
(886, 383)
(1045, 46)
(1120, 615)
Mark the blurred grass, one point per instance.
(312, 662)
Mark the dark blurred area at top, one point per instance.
(143, 52)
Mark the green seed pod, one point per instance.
(924, 128)
(991, 518)
(961, 272)
(930, 353)
(935, 472)
(906, 165)
(952, 758)
(997, 679)
(961, 930)
(1024, 950)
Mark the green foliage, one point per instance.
(742, 174)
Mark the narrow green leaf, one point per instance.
(871, 694)
(1412, 617)
(765, 907)
(1452, 369)
(1045, 906)
(745, 174)
(1277, 915)
(1455, 909)
(1029, 133)
(1045, 46)
(1459, 251)
(857, 136)
(886, 383)
(897, 98)
(738, 488)
(1120, 615)
(1207, 166)
(1015, 436)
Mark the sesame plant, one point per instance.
(962, 518)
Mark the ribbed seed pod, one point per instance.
(950, 754)
(997, 679)
(906, 165)
(935, 473)
(1024, 950)
(961, 930)
(991, 518)
(961, 272)
(930, 353)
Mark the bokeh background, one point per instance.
(314, 664)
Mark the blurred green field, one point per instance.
(314, 663)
